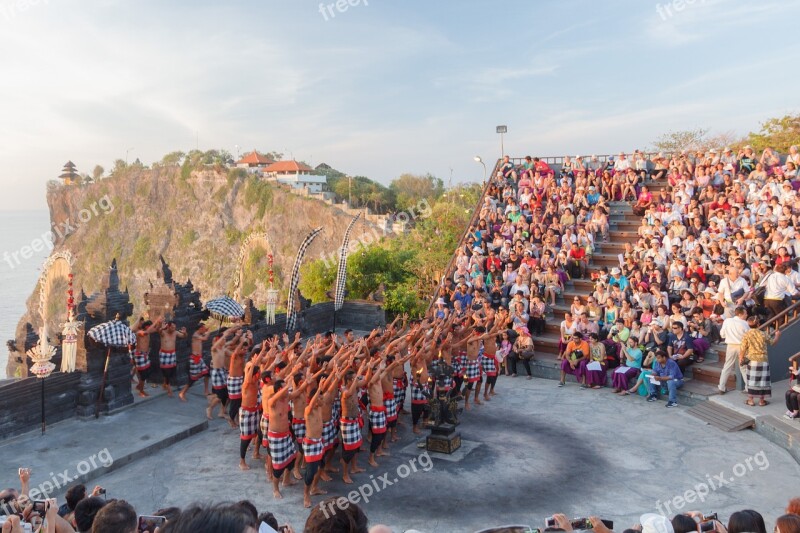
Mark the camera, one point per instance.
(40, 507)
(148, 524)
(707, 522)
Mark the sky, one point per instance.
(377, 87)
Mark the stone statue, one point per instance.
(444, 408)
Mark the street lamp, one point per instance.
(478, 159)
(237, 151)
(349, 192)
(501, 130)
(126, 155)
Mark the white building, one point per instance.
(297, 175)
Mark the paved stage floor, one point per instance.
(534, 450)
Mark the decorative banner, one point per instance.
(272, 294)
(291, 315)
(341, 275)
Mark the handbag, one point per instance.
(526, 354)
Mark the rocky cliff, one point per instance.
(197, 221)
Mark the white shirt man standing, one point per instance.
(732, 331)
(733, 291)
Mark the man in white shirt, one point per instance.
(778, 286)
(732, 331)
(733, 291)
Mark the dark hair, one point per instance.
(116, 517)
(682, 523)
(788, 523)
(328, 517)
(170, 513)
(746, 521)
(248, 506)
(75, 494)
(217, 519)
(85, 511)
(269, 519)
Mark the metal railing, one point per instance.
(472, 222)
(782, 320)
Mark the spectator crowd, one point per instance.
(713, 258)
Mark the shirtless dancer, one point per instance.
(313, 446)
(168, 359)
(141, 356)
(197, 367)
(236, 373)
(248, 411)
(220, 350)
(489, 362)
(473, 374)
(351, 421)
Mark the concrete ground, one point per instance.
(534, 450)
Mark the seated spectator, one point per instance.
(576, 355)
(665, 372)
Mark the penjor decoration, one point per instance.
(42, 367)
(291, 313)
(341, 275)
(70, 330)
(272, 294)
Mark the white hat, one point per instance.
(440, 301)
(727, 149)
(655, 523)
(615, 271)
(477, 250)
(578, 156)
(712, 151)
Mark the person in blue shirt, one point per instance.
(593, 197)
(665, 371)
(463, 296)
(618, 278)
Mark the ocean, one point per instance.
(18, 275)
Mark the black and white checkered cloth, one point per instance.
(224, 308)
(141, 360)
(264, 426)
(377, 419)
(291, 314)
(113, 333)
(197, 367)
(167, 359)
(235, 387)
(341, 274)
(219, 378)
(418, 393)
(399, 388)
(281, 449)
(758, 379)
(351, 433)
(248, 423)
(313, 449)
(391, 407)
(473, 371)
(488, 365)
(330, 434)
(299, 429)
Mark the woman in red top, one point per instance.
(644, 201)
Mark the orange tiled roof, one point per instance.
(288, 166)
(254, 158)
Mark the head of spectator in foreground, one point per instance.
(85, 511)
(217, 519)
(656, 523)
(74, 495)
(747, 521)
(793, 507)
(683, 523)
(116, 517)
(788, 523)
(329, 517)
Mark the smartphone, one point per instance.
(148, 524)
(549, 522)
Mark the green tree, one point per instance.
(98, 172)
(173, 158)
(120, 166)
(409, 189)
(777, 133)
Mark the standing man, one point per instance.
(248, 412)
(197, 367)
(236, 374)
(732, 331)
(167, 357)
(141, 356)
(351, 422)
(733, 291)
(219, 375)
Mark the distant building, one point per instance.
(70, 174)
(255, 161)
(297, 175)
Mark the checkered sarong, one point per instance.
(299, 429)
(391, 406)
(351, 433)
(235, 387)
(141, 360)
(248, 422)
(336, 408)
(281, 449)
(313, 449)
(399, 388)
(219, 378)
(197, 367)
(758, 379)
(330, 434)
(263, 425)
(377, 419)
(473, 371)
(488, 365)
(418, 391)
(459, 364)
(167, 359)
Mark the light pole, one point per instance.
(501, 130)
(478, 159)
(126, 155)
(349, 192)
(237, 151)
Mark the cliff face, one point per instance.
(197, 221)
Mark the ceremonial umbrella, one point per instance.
(224, 308)
(114, 334)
